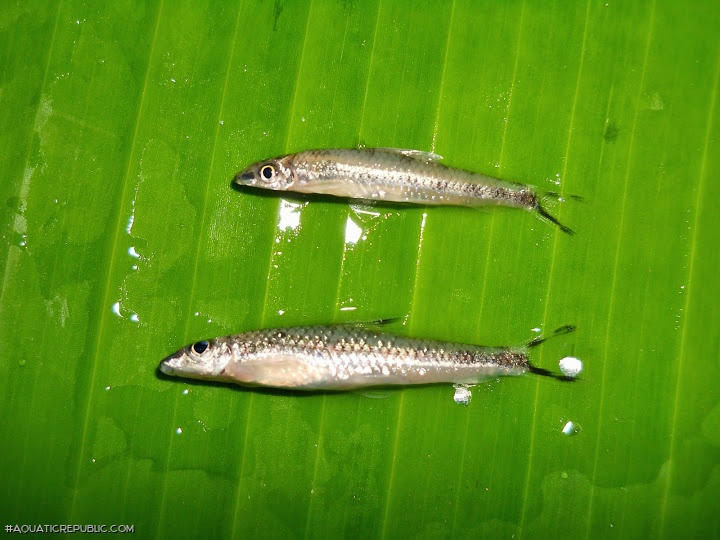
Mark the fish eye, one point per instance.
(267, 172)
(199, 347)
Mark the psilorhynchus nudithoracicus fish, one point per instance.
(342, 357)
(389, 174)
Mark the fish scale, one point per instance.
(387, 175)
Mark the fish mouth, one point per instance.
(245, 178)
(166, 366)
(172, 364)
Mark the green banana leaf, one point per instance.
(123, 124)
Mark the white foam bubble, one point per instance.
(571, 366)
(463, 395)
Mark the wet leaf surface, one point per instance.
(123, 240)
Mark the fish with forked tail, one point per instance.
(342, 357)
(389, 174)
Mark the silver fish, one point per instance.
(341, 357)
(389, 174)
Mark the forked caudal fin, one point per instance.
(567, 329)
(547, 373)
(544, 214)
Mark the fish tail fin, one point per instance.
(550, 374)
(547, 216)
(561, 331)
(544, 214)
(556, 195)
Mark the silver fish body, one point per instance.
(340, 357)
(386, 174)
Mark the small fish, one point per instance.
(342, 357)
(389, 174)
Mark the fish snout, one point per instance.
(167, 368)
(245, 178)
(172, 364)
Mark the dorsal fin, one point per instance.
(428, 157)
(377, 324)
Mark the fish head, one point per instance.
(204, 359)
(268, 174)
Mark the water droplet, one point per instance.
(131, 219)
(20, 239)
(107, 388)
(22, 362)
(302, 119)
(178, 431)
(353, 232)
(280, 311)
(289, 217)
(118, 310)
(133, 253)
(571, 429)
(346, 305)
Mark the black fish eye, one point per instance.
(199, 347)
(267, 172)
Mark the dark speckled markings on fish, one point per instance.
(389, 174)
(342, 357)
